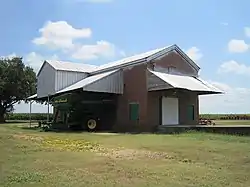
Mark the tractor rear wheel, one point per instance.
(92, 124)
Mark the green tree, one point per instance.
(17, 82)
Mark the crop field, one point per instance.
(34, 158)
(232, 122)
(43, 116)
(226, 116)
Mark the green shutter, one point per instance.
(133, 111)
(190, 112)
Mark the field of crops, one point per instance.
(226, 116)
(26, 116)
(43, 116)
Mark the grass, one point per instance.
(33, 158)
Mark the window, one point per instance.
(133, 111)
(190, 112)
(171, 69)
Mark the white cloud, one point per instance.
(35, 60)
(64, 37)
(247, 31)
(234, 67)
(122, 53)
(235, 100)
(9, 56)
(224, 23)
(100, 49)
(194, 53)
(60, 35)
(237, 46)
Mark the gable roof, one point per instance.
(132, 60)
(145, 57)
(69, 66)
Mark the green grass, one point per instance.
(33, 158)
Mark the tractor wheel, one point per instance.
(92, 124)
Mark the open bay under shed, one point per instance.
(159, 87)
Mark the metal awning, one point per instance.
(32, 97)
(182, 82)
(108, 82)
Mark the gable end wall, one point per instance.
(46, 81)
(175, 60)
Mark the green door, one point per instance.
(133, 111)
(190, 112)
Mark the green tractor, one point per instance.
(72, 112)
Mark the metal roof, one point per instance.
(129, 59)
(32, 96)
(139, 58)
(145, 57)
(186, 82)
(69, 66)
(87, 81)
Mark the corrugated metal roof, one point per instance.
(70, 66)
(87, 81)
(129, 59)
(143, 57)
(186, 82)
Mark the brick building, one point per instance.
(159, 87)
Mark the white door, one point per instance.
(170, 111)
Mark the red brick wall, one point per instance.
(185, 99)
(135, 90)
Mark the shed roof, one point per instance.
(187, 82)
(69, 66)
(87, 81)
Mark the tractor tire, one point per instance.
(92, 124)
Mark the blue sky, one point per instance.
(214, 33)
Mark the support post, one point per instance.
(48, 110)
(30, 113)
